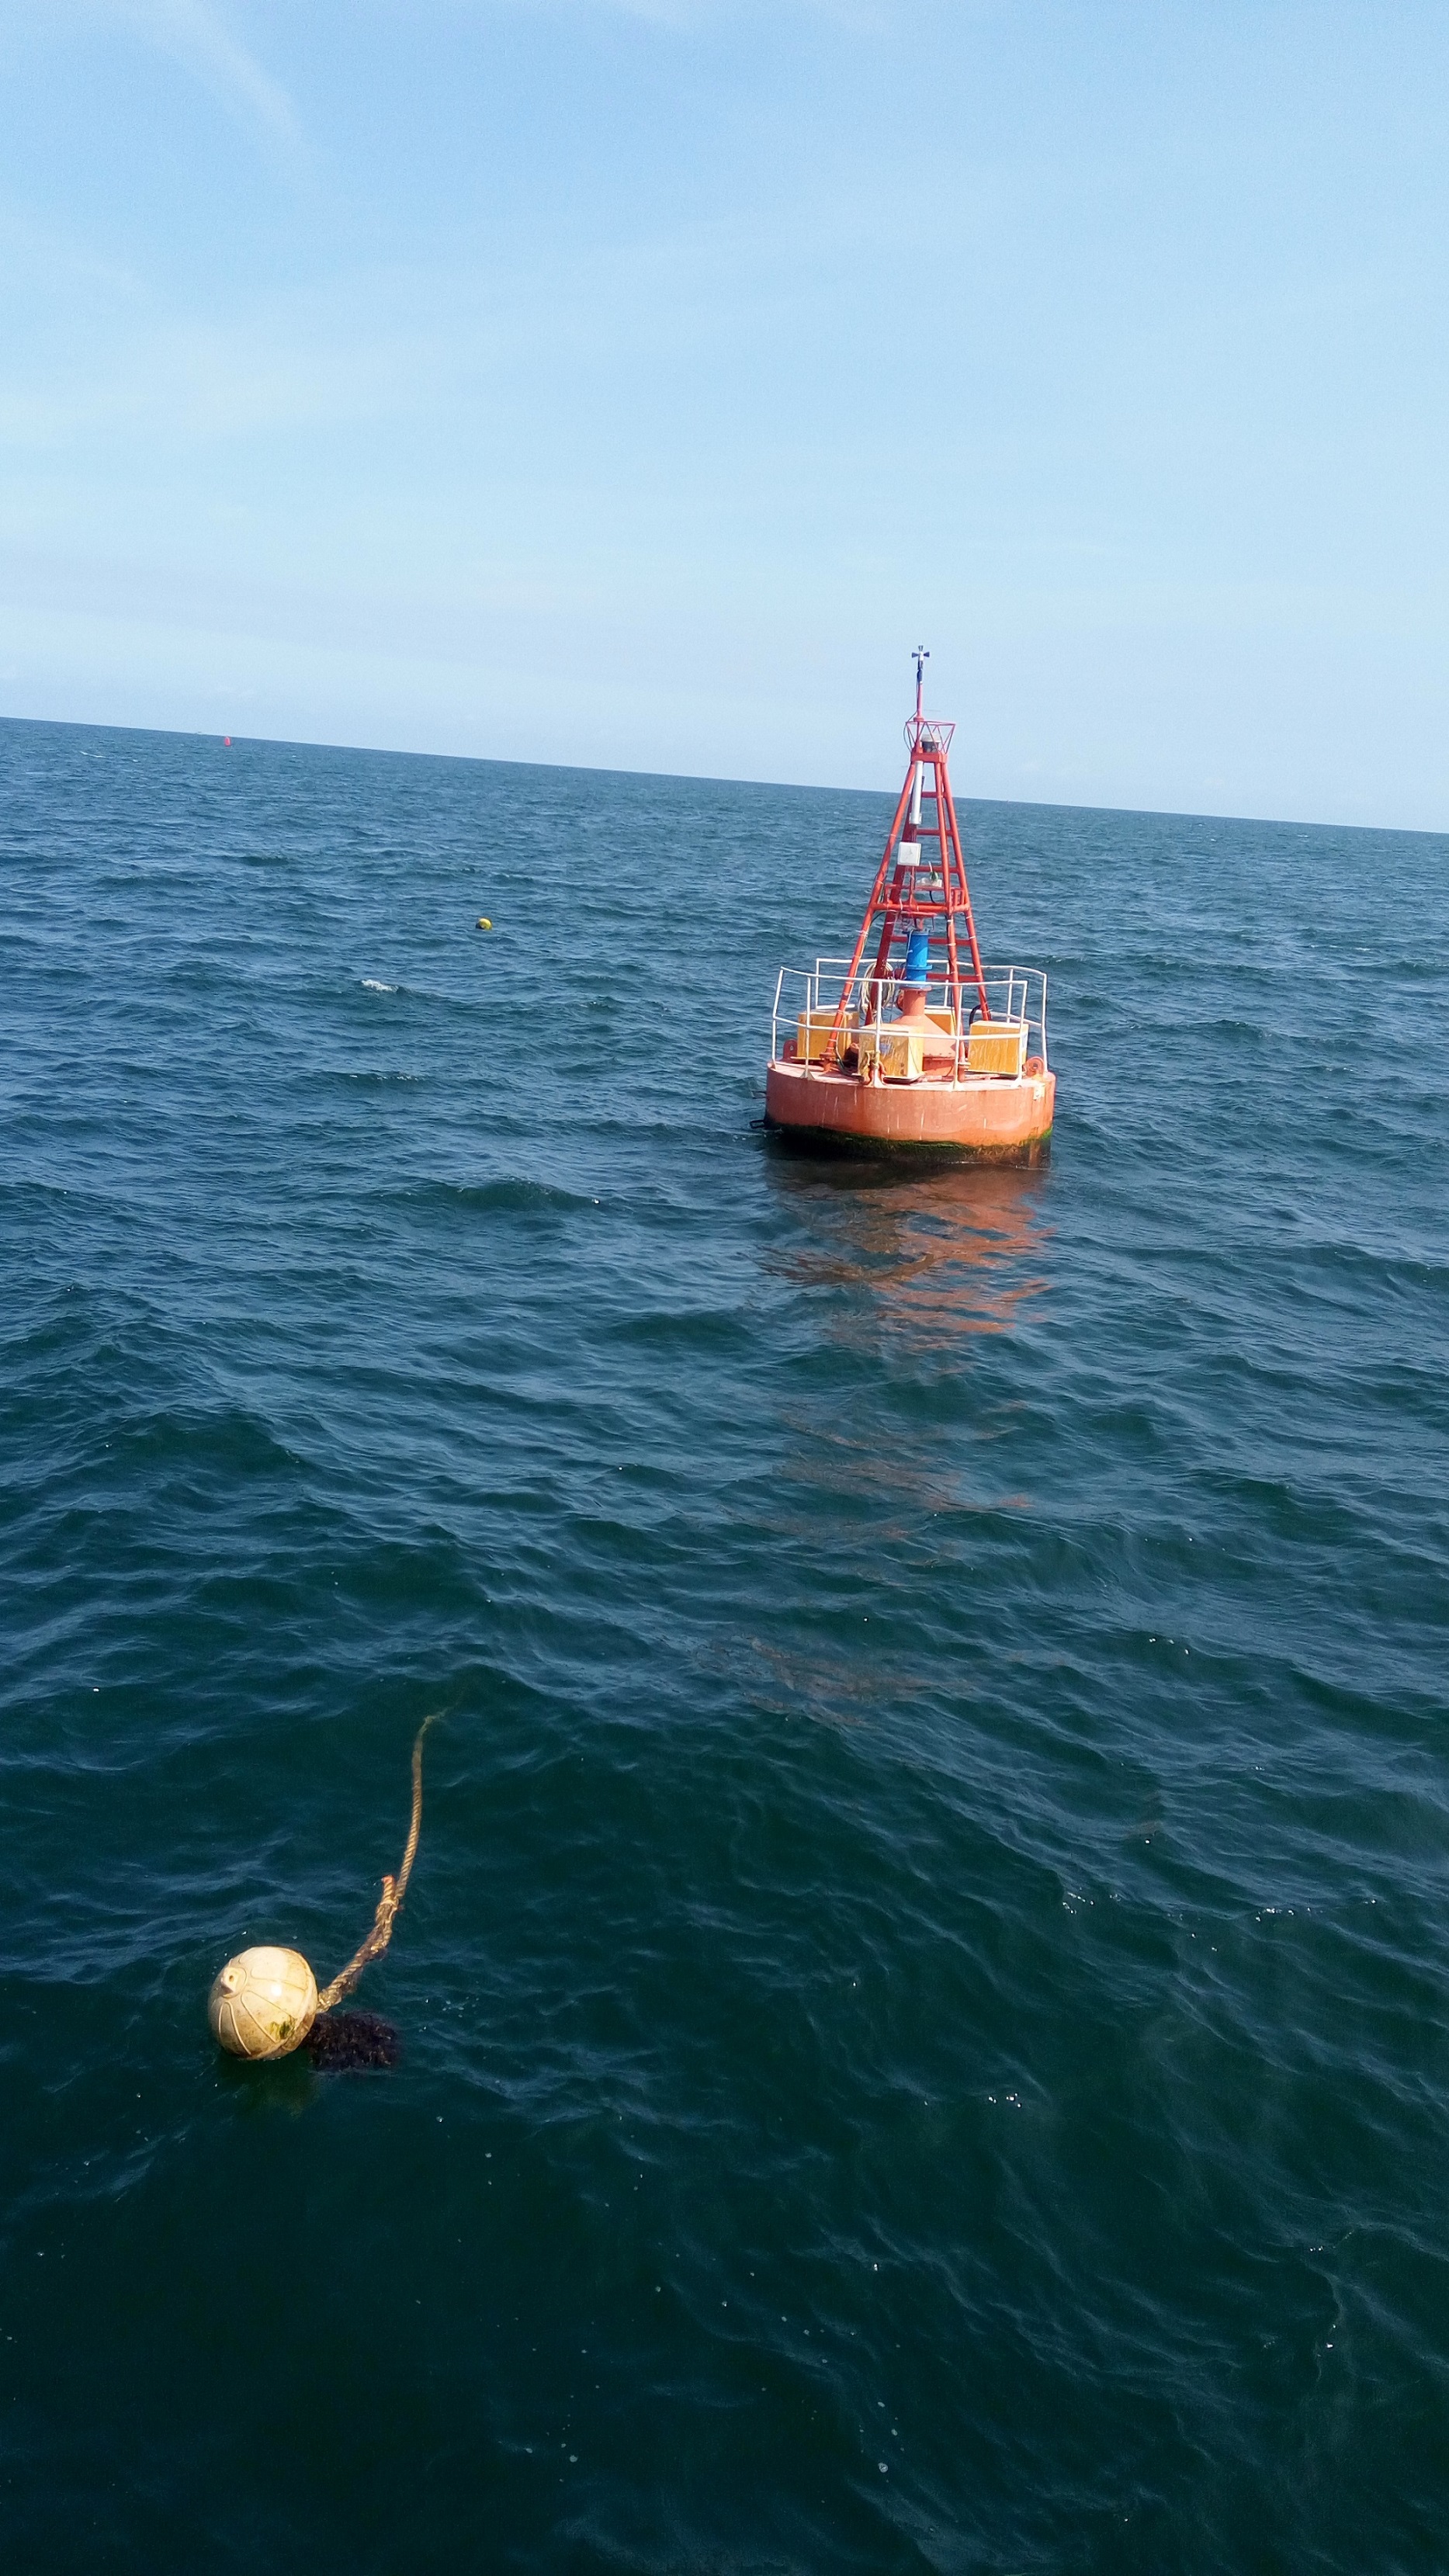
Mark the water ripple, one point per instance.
(923, 1992)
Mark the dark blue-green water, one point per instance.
(925, 1994)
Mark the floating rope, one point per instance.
(389, 1904)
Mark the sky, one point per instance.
(635, 385)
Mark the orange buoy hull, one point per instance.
(998, 1121)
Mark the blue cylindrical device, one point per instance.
(918, 958)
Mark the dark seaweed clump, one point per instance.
(341, 2042)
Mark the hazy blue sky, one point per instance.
(635, 385)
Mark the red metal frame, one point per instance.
(900, 907)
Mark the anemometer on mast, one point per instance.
(921, 657)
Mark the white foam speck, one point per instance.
(370, 984)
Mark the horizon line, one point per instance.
(710, 778)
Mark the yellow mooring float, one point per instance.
(266, 2002)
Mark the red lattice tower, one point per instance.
(926, 887)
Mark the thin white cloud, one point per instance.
(692, 16)
(195, 34)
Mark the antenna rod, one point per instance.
(922, 658)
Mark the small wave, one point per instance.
(370, 984)
(509, 1194)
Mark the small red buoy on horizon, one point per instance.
(226, 742)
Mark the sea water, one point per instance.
(925, 1991)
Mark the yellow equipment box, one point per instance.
(996, 1046)
(812, 1034)
(899, 1050)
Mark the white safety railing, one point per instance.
(807, 1000)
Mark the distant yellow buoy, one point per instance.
(263, 2003)
(483, 921)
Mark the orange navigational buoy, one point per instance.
(912, 1041)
